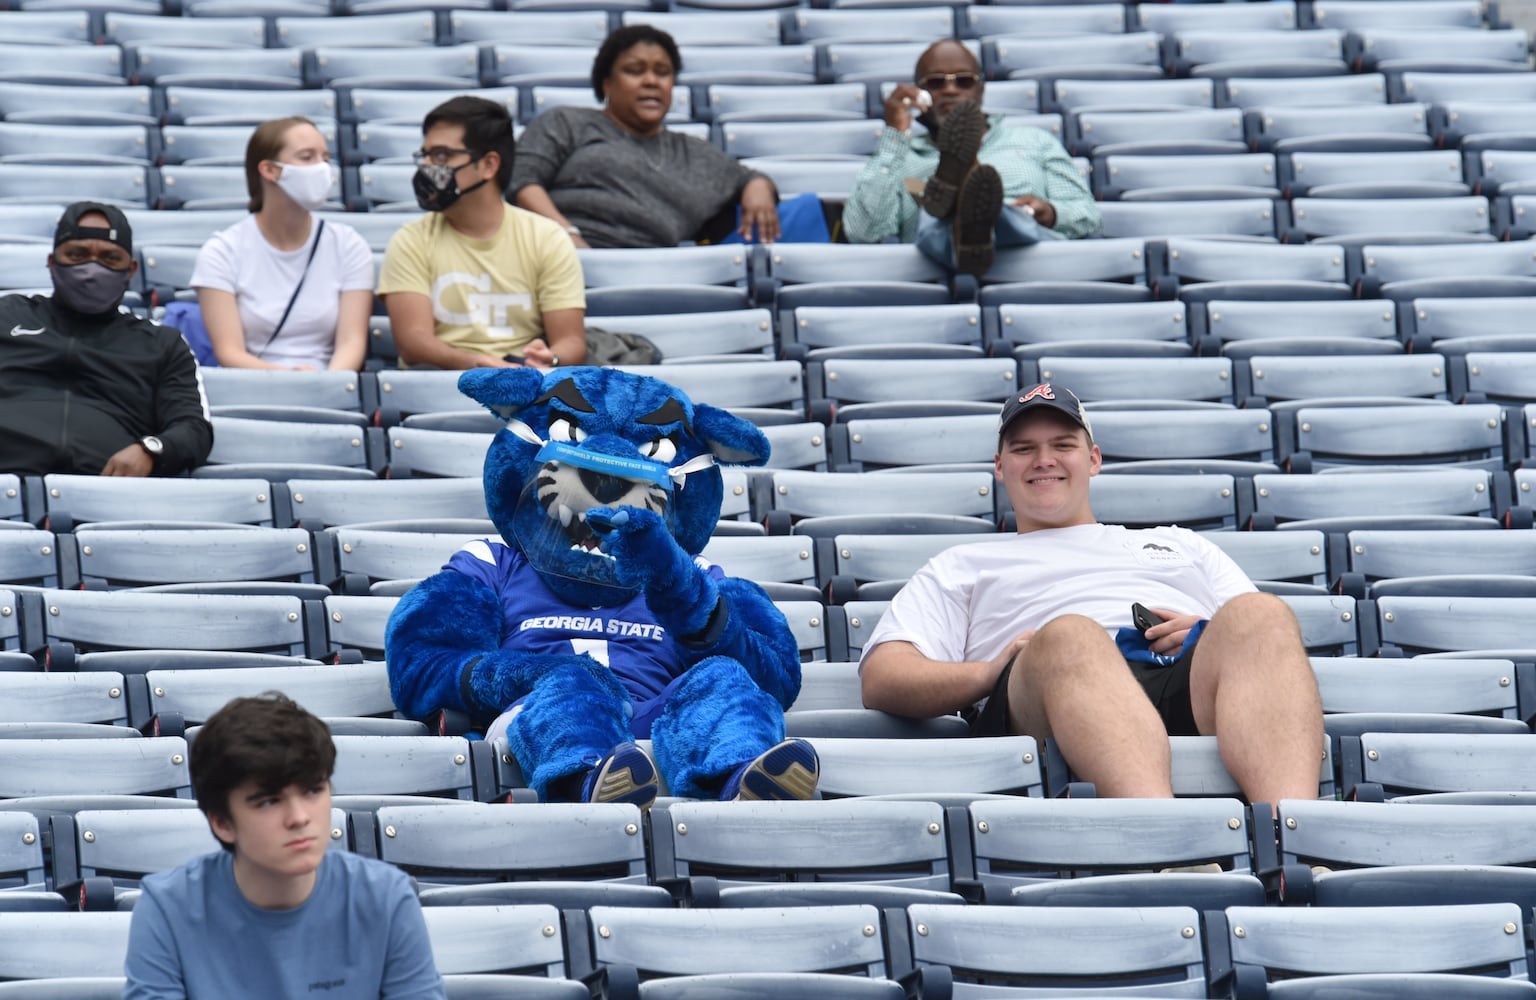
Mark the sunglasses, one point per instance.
(962, 81)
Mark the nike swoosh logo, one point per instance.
(17, 331)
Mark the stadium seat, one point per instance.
(148, 766)
(1241, 91)
(756, 27)
(809, 494)
(1235, 217)
(185, 66)
(786, 102)
(128, 620)
(1123, 948)
(1445, 498)
(72, 946)
(1068, 19)
(768, 561)
(1191, 436)
(278, 450)
(338, 65)
(1172, 178)
(1135, 55)
(1082, 852)
(946, 770)
(389, 557)
(1475, 125)
(887, 383)
(1094, 132)
(1035, 330)
(1278, 561)
(698, 265)
(1422, 695)
(1347, 175)
(1433, 87)
(1165, 20)
(1225, 52)
(630, 944)
(1209, 500)
(1412, 555)
(1347, 15)
(1506, 377)
(335, 690)
(1141, 381)
(28, 557)
(1469, 436)
(126, 185)
(1068, 95)
(405, 29)
(52, 27)
(568, 855)
(407, 765)
(206, 559)
(472, 948)
(60, 144)
(1199, 269)
(1406, 47)
(1478, 626)
(741, 333)
(573, 28)
(877, 565)
(1362, 127)
(219, 106)
(75, 500)
(184, 228)
(916, 24)
(1242, 328)
(770, 390)
(354, 626)
(415, 451)
(746, 139)
(1456, 326)
(818, 853)
(341, 391)
(747, 64)
(1286, 943)
(30, 223)
(1272, 379)
(34, 696)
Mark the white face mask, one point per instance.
(308, 184)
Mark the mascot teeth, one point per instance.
(565, 516)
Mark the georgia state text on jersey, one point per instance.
(627, 637)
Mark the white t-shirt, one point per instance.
(239, 260)
(970, 601)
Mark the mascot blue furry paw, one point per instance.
(593, 621)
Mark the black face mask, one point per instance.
(91, 287)
(437, 187)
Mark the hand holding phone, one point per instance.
(1143, 618)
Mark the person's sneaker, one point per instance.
(787, 770)
(976, 212)
(957, 142)
(625, 775)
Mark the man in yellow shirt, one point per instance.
(477, 282)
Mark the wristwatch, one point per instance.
(554, 360)
(152, 444)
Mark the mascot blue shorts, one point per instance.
(593, 621)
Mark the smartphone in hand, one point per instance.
(1143, 618)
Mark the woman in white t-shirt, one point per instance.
(282, 288)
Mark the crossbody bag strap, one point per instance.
(319, 232)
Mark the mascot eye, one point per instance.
(661, 449)
(565, 431)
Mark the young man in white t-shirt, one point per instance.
(1035, 634)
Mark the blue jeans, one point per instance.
(1015, 228)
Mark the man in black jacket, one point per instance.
(85, 388)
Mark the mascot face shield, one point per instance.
(589, 438)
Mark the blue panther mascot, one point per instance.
(593, 621)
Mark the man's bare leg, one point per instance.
(1251, 685)
(1071, 682)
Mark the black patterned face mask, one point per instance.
(437, 187)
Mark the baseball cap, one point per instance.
(1044, 395)
(116, 230)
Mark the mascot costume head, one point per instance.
(593, 621)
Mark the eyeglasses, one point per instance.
(961, 81)
(440, 155)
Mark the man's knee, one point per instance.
(1068, 642)
(1259, 612)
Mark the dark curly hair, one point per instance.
(621, 41)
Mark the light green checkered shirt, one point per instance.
(1029, 160)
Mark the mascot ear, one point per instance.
(733, 441)
(503, 391)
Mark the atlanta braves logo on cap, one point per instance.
(1046, 395)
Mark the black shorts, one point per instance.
(1166, 687)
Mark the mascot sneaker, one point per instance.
(788, 770)
(625, 775)
(958, 141)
